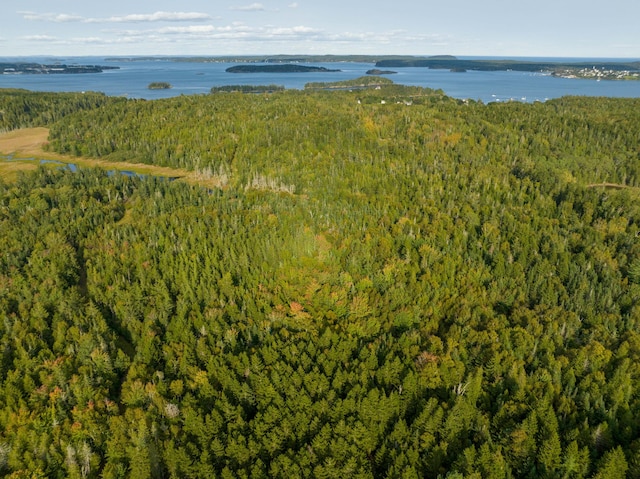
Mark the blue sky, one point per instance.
(559, 28)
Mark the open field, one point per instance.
(25, 142)
(29, 143)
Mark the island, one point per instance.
(44, 69)
(285, 68)
(159, 85)
(376, 71)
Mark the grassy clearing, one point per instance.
(24, 143)
(30, 142)
(9, 170)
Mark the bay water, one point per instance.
(188, 78)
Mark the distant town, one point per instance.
(595, 73)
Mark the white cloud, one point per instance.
(242, 32)
(293, 5)
(193, 29)
(191, 32)
(40, 38)
(93, 40)
(288, 31)
(157, 17)
(131, 18)
(234, 32)
(51, 17)
(254, 7)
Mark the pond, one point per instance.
(74, 167)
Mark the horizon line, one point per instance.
(248, 55)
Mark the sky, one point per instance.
(541, 28)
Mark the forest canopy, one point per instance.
(388, 283)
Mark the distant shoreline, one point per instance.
(609, 70)
(284, 68)
(581, 68)
(25, 68)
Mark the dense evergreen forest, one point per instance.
(389, 283)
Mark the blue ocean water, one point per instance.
(133, 78)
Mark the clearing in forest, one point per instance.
(28, 143)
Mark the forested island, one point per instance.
(377, 283)
(284, 68)
(45, 69)
(377, 71)
(159, 85)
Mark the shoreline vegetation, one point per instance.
(356, 83)
(247, 88)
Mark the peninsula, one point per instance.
(595, 73)
(356, 83)
(45, 69)
(594, 70)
